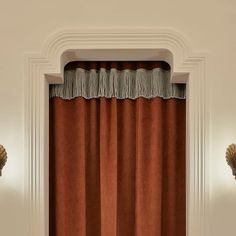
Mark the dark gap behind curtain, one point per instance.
(119, 65)
(117, 167)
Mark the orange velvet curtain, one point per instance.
(117, 167)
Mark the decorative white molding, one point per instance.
(127, 44)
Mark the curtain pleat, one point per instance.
(108, 165)
(117, 167)
(126, 168)
(173, 170)
(93, 193)
(148, 167)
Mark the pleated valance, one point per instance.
(113, 82)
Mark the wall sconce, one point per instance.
(3, 158)
(231, 158)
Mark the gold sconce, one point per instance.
(3, 158)
(231, 158)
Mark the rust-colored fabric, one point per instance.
(117, 167)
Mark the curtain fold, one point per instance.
(117, 167)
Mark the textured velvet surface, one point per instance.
(117, 167)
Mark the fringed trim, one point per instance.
(120, 84)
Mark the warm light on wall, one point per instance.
(231, 158)
(3, 158)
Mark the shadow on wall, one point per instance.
(223, 208)
(11, 208)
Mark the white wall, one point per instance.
(209, 25)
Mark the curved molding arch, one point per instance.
(67, 45)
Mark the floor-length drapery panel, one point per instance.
(117, 167)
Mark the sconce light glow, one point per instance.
(231, 158)
(3, 158)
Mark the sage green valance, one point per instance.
(117, 83)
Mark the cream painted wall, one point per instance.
(209, 25)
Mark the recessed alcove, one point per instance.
(118, 55)
(46, 67)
